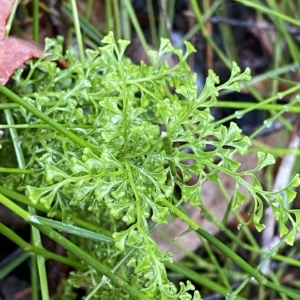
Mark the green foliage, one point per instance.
(137, 123)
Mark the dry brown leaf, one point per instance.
(13, 51)
(6, 7)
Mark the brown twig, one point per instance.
(244, 23)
